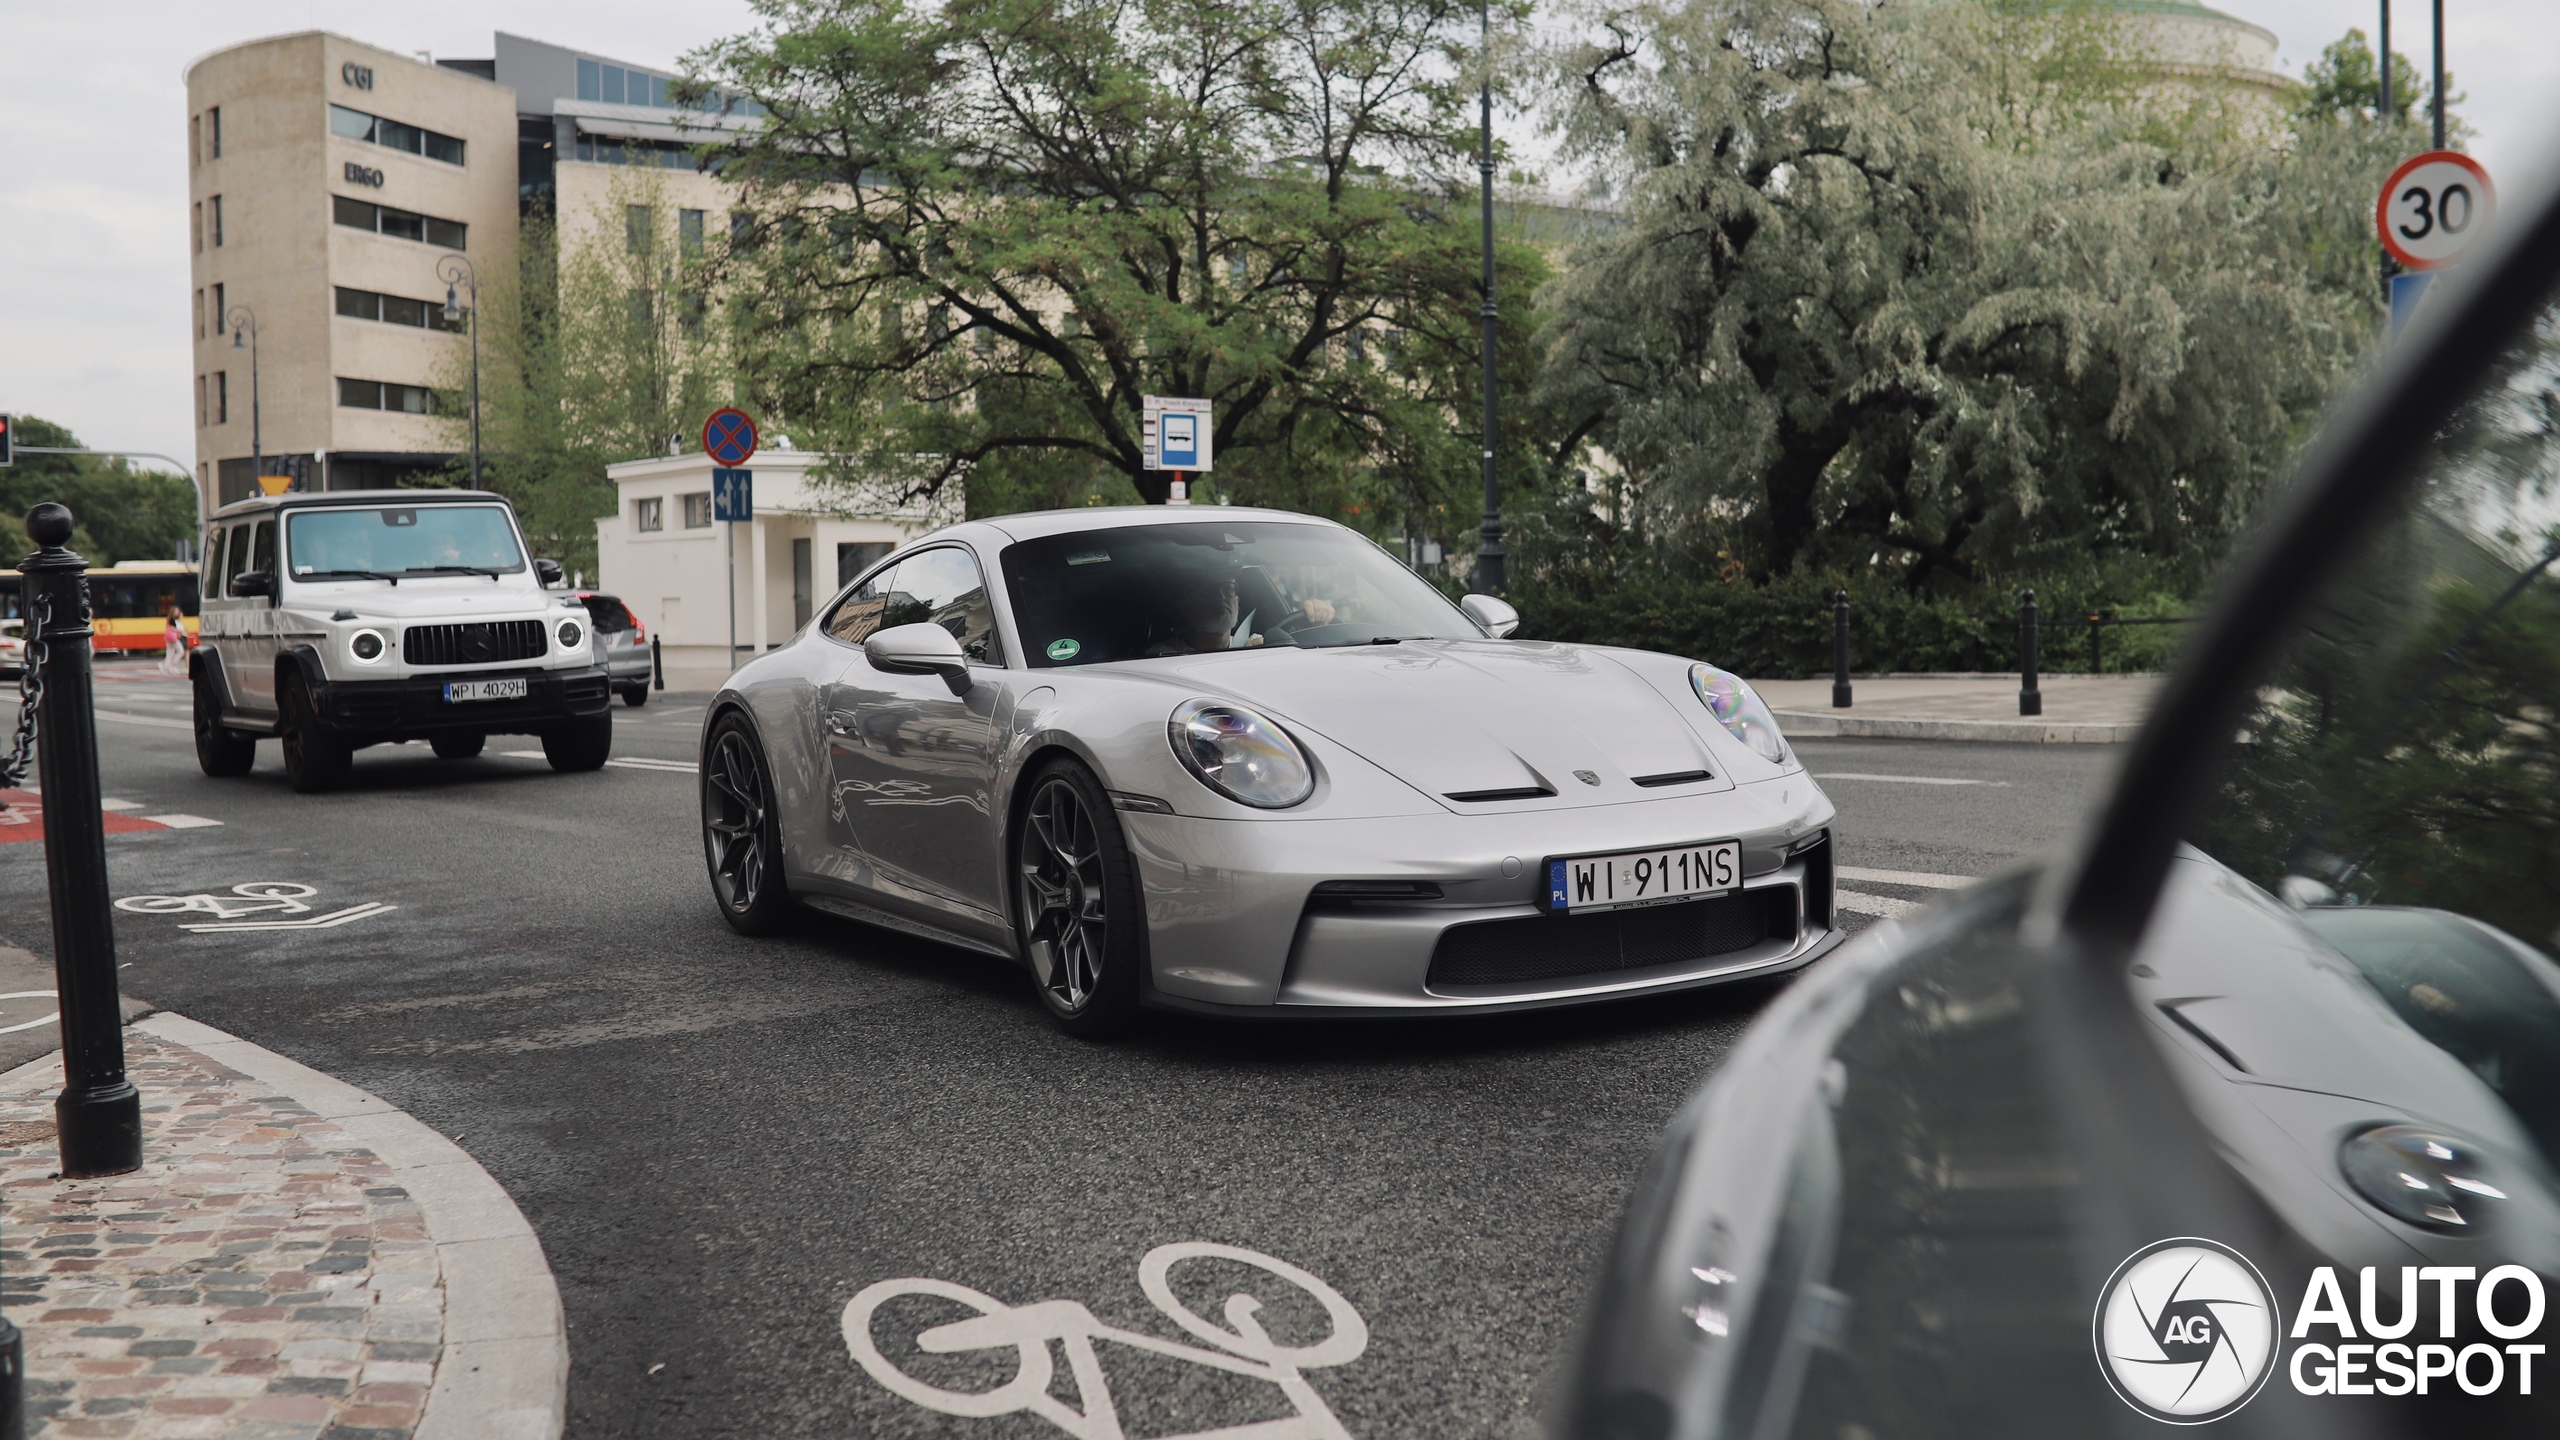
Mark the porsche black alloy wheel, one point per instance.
(741, 838)
(219, 751)
(1081, 922)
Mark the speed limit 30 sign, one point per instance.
(2433, 207)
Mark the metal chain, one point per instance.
(30, 694)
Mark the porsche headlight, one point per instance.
(1739, 709)
(1241, 755)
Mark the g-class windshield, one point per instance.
(401, 541)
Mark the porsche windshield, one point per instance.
(402, 540)
(1147, 590)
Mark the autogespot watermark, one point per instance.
(2187, 1331)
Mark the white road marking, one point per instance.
(252, 897)
(112, 804)
(49, 1018)
(329, 921)
(181, 822)
(1917, 878)
(627, 762)
(1907, 779)
(1244, 1348)
(1859, 902)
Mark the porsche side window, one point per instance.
(859, 613)
(943, 587)
(2393, 783)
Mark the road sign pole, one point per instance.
(730, 545)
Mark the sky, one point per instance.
(93, 188)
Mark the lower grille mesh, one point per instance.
(1547, 947)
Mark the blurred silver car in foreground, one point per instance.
(1237, 761)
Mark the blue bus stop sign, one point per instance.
(733, 494)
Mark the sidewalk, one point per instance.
(2078, 709)
(296, 1260)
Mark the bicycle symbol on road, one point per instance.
(1243, 1347)
(250, 898)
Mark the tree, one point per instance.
(598, 346)
(1951, 289)
(978, 235)
(124, 513)
(2345, 84)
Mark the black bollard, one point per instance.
(1839, 649)
(13, 1382)
(657, 663)
(99, 1113)
(2030, 699)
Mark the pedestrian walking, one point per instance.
(173, 639)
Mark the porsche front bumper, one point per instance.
(1237, 922)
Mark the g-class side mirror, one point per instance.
(916, 649)
(548, 572)
(252, 582)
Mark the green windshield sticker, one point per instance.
(1063, 649)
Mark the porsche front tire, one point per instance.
(742, 831)
(1083, 927)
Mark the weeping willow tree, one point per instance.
(1945, 290)
(602, 344)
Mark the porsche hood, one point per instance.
(1479, 725)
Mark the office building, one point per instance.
(333, 186)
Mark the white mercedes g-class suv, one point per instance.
(337, 620)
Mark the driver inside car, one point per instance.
(1208, 616)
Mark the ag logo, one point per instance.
(2186, 1331)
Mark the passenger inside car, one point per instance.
(1208, 614)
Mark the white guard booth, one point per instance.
(662, 553)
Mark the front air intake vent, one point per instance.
(1517, 792)
(1676, 777)
(1555, 947)
(492, 643)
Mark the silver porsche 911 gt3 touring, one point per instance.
(1243, 762)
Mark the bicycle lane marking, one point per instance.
(252, 897)
(1243, 1348)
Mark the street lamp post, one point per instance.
(456, 270)
(1489, 576)
(244, 322)
(2439, 115)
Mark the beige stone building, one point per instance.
(329, 180)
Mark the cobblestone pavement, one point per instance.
(260, 1278)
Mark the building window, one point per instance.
(195, 227)
(199, 316)
(590, 80)
(398, 224)
(221, 397)
(213, 130)
(689, 231)
(649, 514)
(636, 226)
(195, 141)
(214, 213)
(386, 395)
(393, 135)
(221, 315)
(199, 402)
(396, 310)
(855, 556)
(697, 511)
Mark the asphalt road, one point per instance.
(722, 1141)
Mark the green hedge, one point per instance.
(1782, 631)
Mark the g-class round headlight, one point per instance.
(1241, 755)
(1738, 708)
(366, 645)
(572, 635)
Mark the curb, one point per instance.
(504, 1370)
(1810, 725)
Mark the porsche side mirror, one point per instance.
(1497, 617)
(919, 649)
(548, 572)
(252, 582)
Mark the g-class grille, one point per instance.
(1554, 947)
(486, 644)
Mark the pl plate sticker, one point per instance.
(1063, 649)
(2186, 1330)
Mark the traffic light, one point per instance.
(8, 450)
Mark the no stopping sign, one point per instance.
(2433, 207)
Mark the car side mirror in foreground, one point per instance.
(918, 649)
(1497, 617)
(548, 572)
(252, 582)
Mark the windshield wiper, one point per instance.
(453, 570)
(358, 574)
